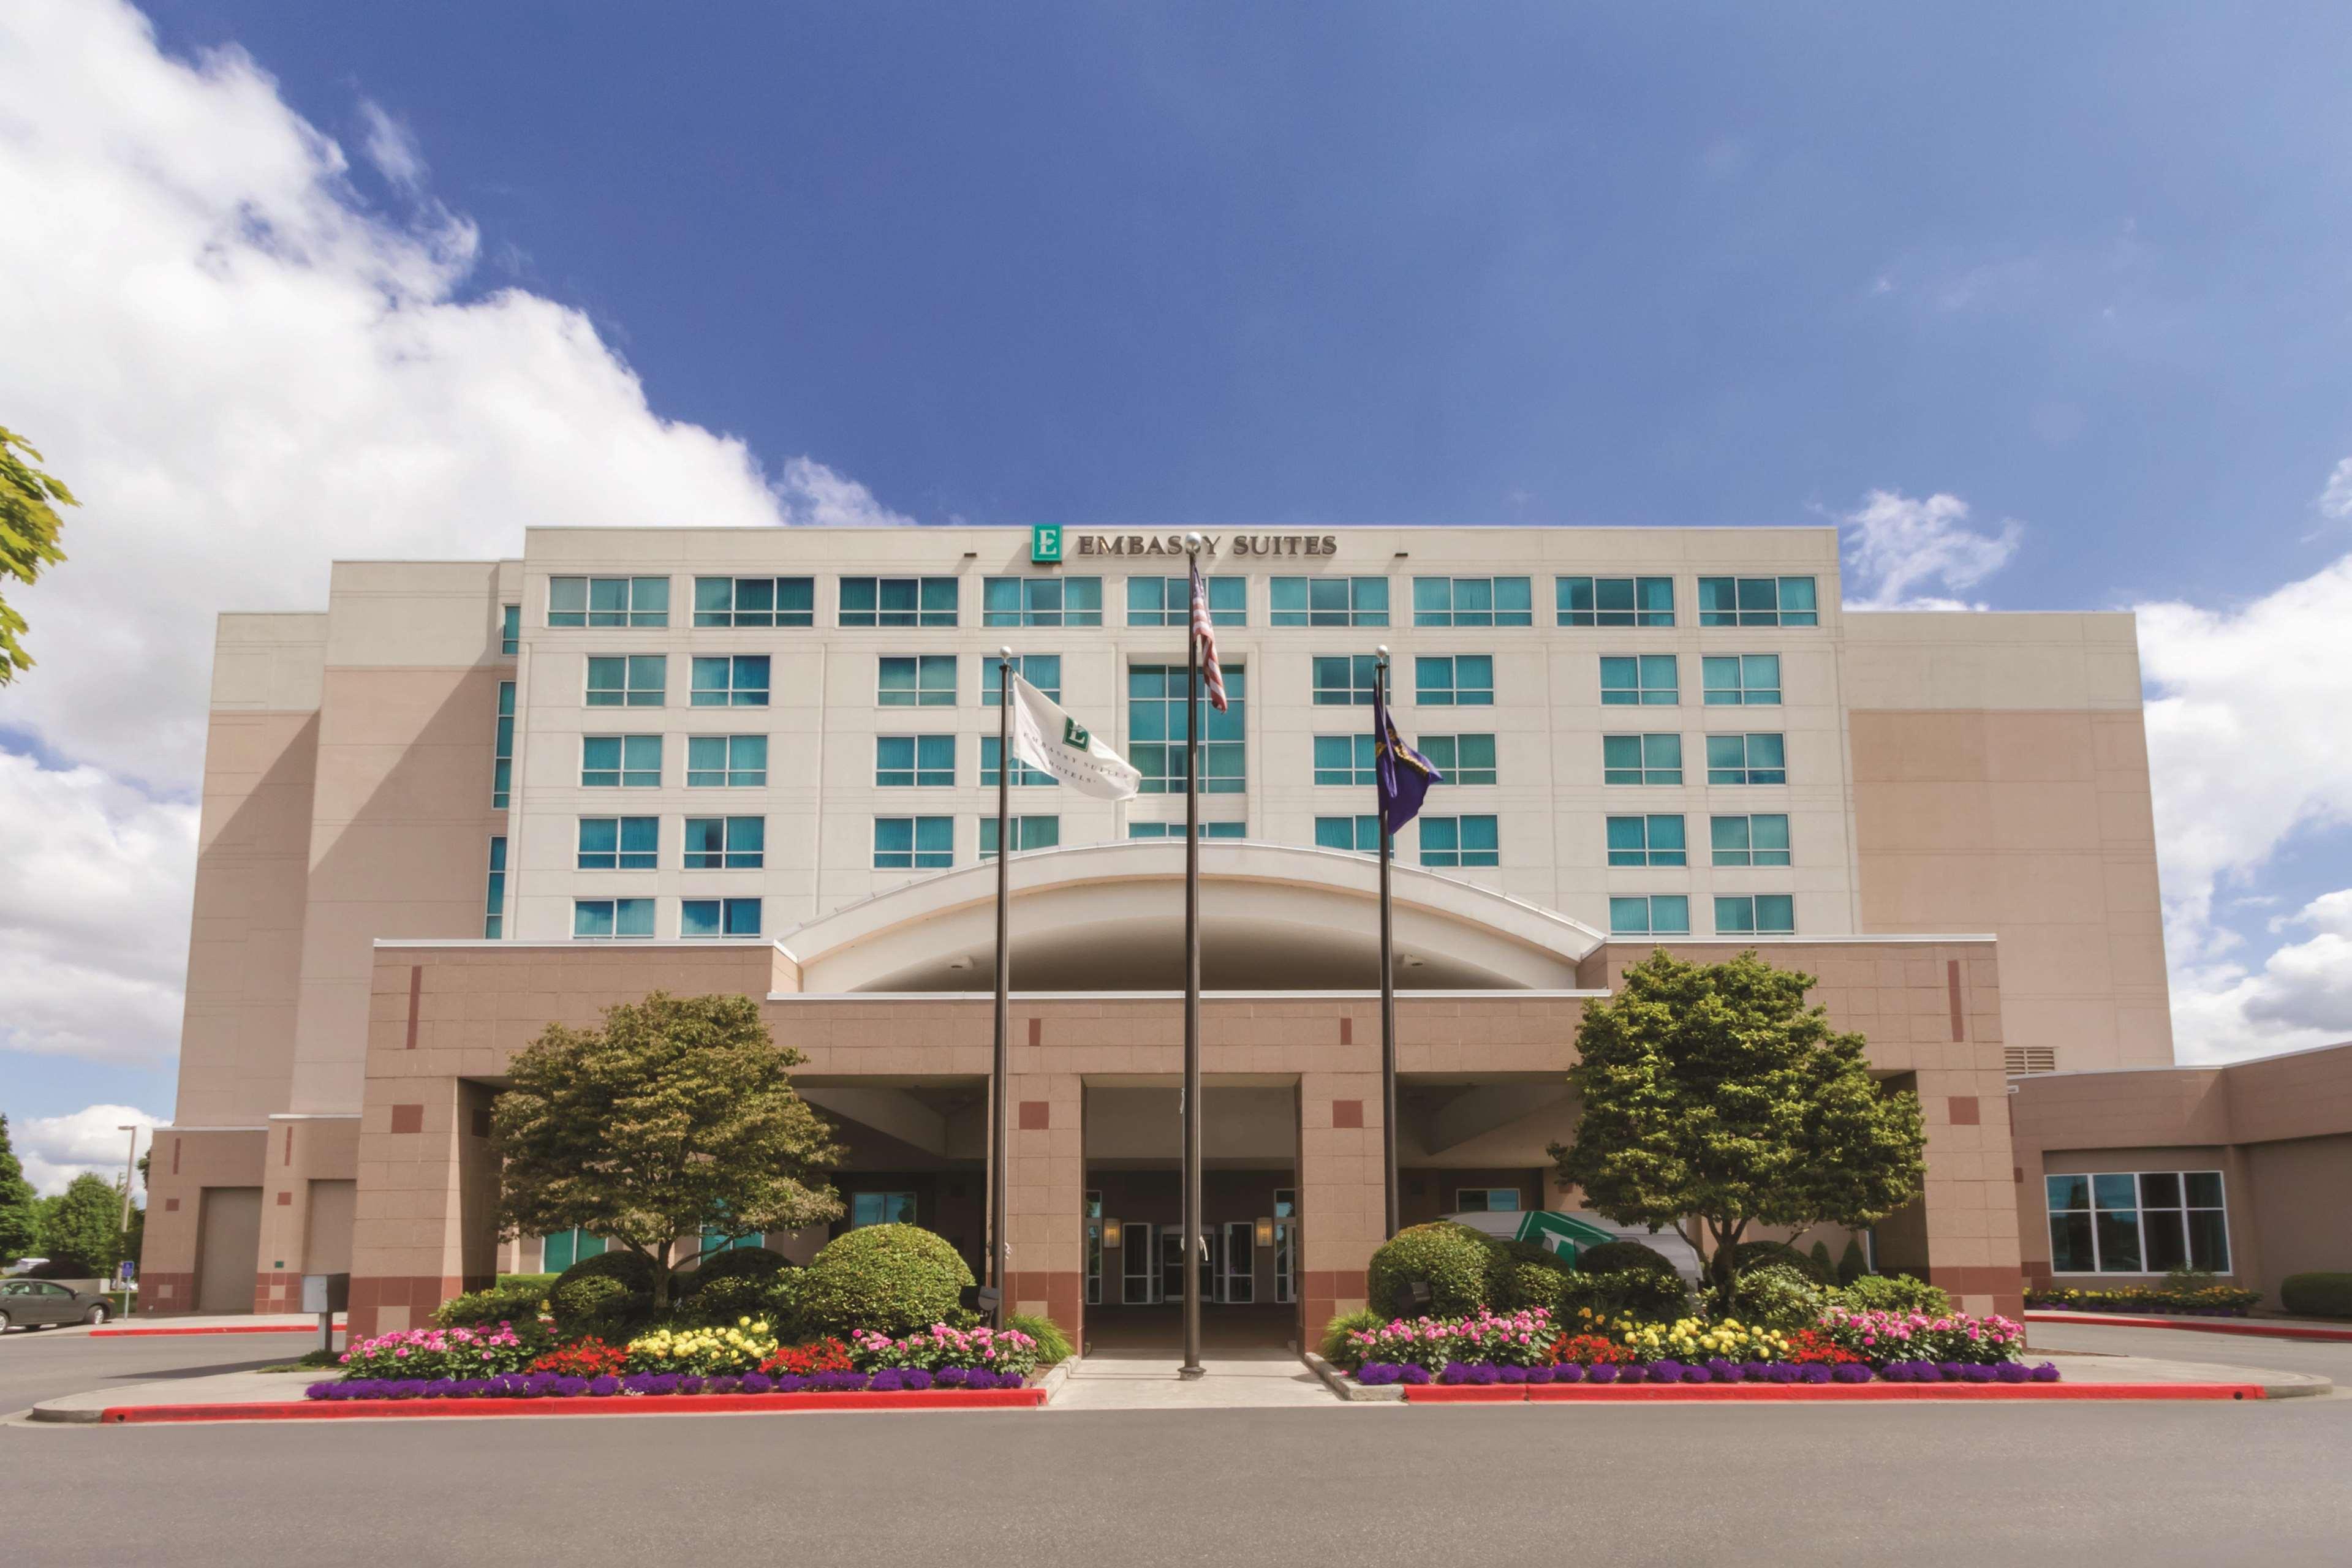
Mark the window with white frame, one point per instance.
(1028, 833)
(755, 601)
(494, 913)
(1043, 671)
(899, 600)
(1646, 840)
(1644, 679)
(727, 762)
(1653, 914)
(1156, 727)
(502, 759)
(717, 917)
(1462, 758)
(1346, 760)
(1760, 838)
(1168, 601)
(510, 629)
(1327, 600)
(612, 917)
(927, 680)
(1358, 835)
(1737, 680)
(619, 844)
(1455, 680)
(1759, 913)
(608, 601)
(1615, 601)
(1041, 601)
(913, 843)
(881, 1209)
(620, 762)
(2137, 1222)
(1747, 759)
(914, 762)
(726, 844)
(1176, 831)
(634, 680)
(1757, 601)
(1024, 776)
(1486, 1200)
(1345, 680)
(1641, 759)
(1473, 601)
(1459, 841)
(737, 680)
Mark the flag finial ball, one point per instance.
(1193, 543)
(1005, 652)
(1382, 650)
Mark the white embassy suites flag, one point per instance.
(1052, 742)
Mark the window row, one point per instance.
(1658, 759)
(642, 680)
(2137, 1222)
(634, 843)
(1058, 601)
(1760, 838)
(1668, 914)
(620, 917)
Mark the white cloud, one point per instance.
(1896, 547)
(2336, 495)
(2300, 996)
(55, 1149)
(94, 936)
(245, 371)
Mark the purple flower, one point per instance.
(1813, 1371)
(951, 1377)
(320, 1391)
(1977, 1373)
(1952, 1370)
(1538, 1374)
(1667, 1370)
(405, 1388)
(723, 1383)
(568, 1388)
(1415, 1375)
(1454, 1371)
(539, 1385)
(1723, 1370)
(1599, 1372)
(1850, 1372)
(664, 1383)
(2010, 1371)
(473, 1387)
(887, 1381)
(2046, 1372)
(637, 1383)
(605, 1387)
(757, 1383)
(914, 1378)
(1484, 1373)
(1513, 1374)
(1697, 1375)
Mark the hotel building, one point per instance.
(473, 798)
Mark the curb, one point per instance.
(630, 1405)
(1736, 1393)
(1347, 1387)
(130, 1331)
(2254, 1328)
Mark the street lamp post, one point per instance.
(129, 1163)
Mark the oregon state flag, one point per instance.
(1404, 775)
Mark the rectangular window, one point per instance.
(1176, 831)
(1485, 1200)
(717, 917)
(1168, 601)
(510, 629)
(1758, 838)
(928, 680)
(755, 601)
(1766, 914)
(1028, 833)
(914, 762)
(502, 759)
(639, 680)
(1757, 601)
(913, 843)
(612, 917)
(2148, 1222)
(1658, 915)
(740, 680)
(1747, 759)
(1735, 680)
(620, 762)
(1462, 758)
(899, 600)
(725, 761)
(1615, 601)
(1645, 680)
(1360, 835)
(1646, 840)
(608, 601)
(1043, 671)
(620, 843)
(1345, 759)
(1473, 601)
(1346, 680)
(1024, 777)
(1641, 759)
(1155, 724)
(1459, 841)
(1329, 601)
(726, 844)
(881, 1209)
(1456, 680)
(494, 910)
(1041, 601)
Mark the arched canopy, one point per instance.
(1109, 918)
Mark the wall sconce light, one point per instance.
(1265, 1230)
(1110, 1232)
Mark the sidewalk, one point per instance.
(2256, 1328)
(242, 1322)
(1139, 1379)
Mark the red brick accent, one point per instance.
(1347, 1030)
(420, 1293)
(1964, 1111)
(1035, 1116)
(1347, 1113)
(289, 1158)
(1036, 1031)
(1063, 1292)
(171, 1206)
(2017, 1174)
(1952, 983)
(175, 1157)
(284, 1200)
(415, 989)
(408, 1118)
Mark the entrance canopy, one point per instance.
(1109, 918)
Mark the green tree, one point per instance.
(20, 1212)
(83, 1225)
(28, 535)
(676, 1119)
(1713, 1092)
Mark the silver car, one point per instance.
(41, 1303)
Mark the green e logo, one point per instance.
(1046, 542)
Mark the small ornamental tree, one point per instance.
(676, 1119)
(81, 1227)
(20, 1210)
(1713, 1092)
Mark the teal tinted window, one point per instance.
(1758, 838)
(1043, 671)
(1462, 758)
(1459, 841)
(612, 917)
(899, 600)
(494, 912)
(1657, 914)
(502, 763)
(1041, 601)
(1747, 759)
(725, 761)
(1157, 732)
(914, 762)
(1757, 601)
(1346, 680)
(1734, 680)
(1329, 601)
(1645, 680)
(913, 843)
(738, 680)
(509, 629)
(1344, 759)
(1473, 601)
(718, 917)
(1641, 759)
(1168, 601)
(619, 844)
(620, 762)
(1176, 831)
(1024, 777)
(637, 680)
(726, 844)
(608, 601)
(925, 681)
(754, 601)
(1459, 680)
(1360, 834)
(1646, 840)
(1615, 601)
(1769, 913)
(1028, 833)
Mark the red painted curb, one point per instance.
(2252, 1327)
(618, 1404)
(128, 1330)
(1690, 1393)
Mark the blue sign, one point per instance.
(127, 1270)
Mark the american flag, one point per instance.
(1206, 632)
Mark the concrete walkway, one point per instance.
(240, 1322)
(221, 1388)
(2095, 1368)
(1145, 1379)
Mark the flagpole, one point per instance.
(1388, 977)
(1192, 1367)
(1001, 1156)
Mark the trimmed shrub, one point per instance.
(516, 1299)
(1851, 1265)
(736, 1263)
(610, 1295)
(1526, 1275)
(890, 1279)
(1892, 1293)
(1642, 1294)
(1756, 1254)
(1052, 1344)
(1823, 1270)
(780, 1301)
(1335, 1348)
(1618, 1256)
(545, 1282)
(1454, 1261)
(1777, 1297)
(2317, 1295)
(725, 1301)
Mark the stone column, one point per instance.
(1339, 1189)
(1046, 1218)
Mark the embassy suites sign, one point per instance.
(1048, 542)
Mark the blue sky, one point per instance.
(2064, 289)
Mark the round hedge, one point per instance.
(1756, 1254)
(1621, 1257)
(736, 1263)
(1454, 1261)
(611, 1291)
(2319, 1294)
(893, 1279)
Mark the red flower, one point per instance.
(1810, 1345)
(820, 1355)
(1589, 1350)
(590, 1357)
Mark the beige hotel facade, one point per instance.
(471, 797)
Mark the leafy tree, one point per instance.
(83, 1225)
(20, 1212)
(28, 535)
(675, 1119)
(1713, 1092)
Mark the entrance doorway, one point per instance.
(1248, 1266)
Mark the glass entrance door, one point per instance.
(1140, 1268)
(1171, 1265)
(1237, 1263)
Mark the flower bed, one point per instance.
(436, 1353)
(2205, 1302)
(942, 1349)
(553, 1386)
(1522, 1339)
(1713, 1370)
